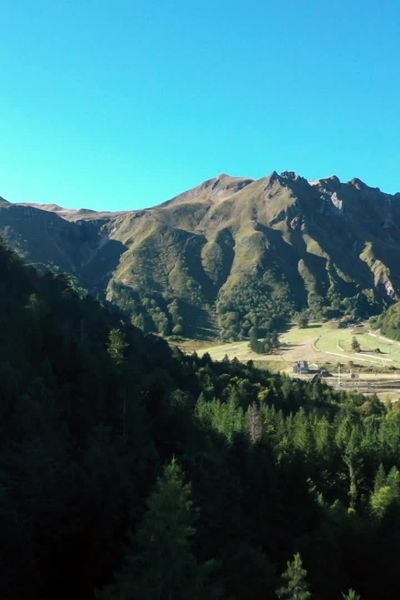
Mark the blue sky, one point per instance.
(122, 104)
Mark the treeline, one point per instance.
(152, 313)
(262, 305)
(389, 322)
(131, 472)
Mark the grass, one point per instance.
(324, 345)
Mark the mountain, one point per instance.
(229, 255)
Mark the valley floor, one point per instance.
(375, 369)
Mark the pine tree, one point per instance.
(255, 344)
(351, 595)
(294, 582)
(255, 423)
(380, 478)
(386, 491)
(352, 457)
(302, 320)
(117, 346)
(139, 321)
(160, 564)
(393, 480)
(355, 345)
(303, 435)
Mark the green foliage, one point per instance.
(149, 312)
(355, 345)
(351, 595)
(227, 418)
(160, 563)
(262, 304)
(269, 343)
(389, 322)
(294, 584)
(91, 411)
(386, 491)
(302, 320)
(117, 346)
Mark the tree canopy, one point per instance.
(125, 463)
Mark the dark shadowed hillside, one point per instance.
(128, 471)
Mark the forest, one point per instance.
(388, 321)
(131, 471)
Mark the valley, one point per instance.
(324, 346)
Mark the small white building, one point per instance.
(301, 367)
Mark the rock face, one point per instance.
(184, 264)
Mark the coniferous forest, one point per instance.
(131, 471)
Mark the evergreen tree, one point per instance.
(355, 345)
(386, 491)
(255, 423)
(139, 321)
(117, 349)
(302, 320)
(294, 584)
(117, 346)
(380, 478)
(255, 344)
(351, 595)
(160, 564)
(352, 457)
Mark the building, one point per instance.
(301, 367)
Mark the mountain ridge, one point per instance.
(76, 213)
(252, 251)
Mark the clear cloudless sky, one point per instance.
(121, 104)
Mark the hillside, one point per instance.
(228, 255)
(128, 470)
(388, 322)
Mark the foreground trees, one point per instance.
(160, 563)
(294, 586)
(126, 467)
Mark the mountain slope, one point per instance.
(230, 254)
(94, 415)
(79, 247)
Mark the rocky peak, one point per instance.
(331, 183)
(289, 175)
(273, 178)
(358, 184)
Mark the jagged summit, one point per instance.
(360, 185)
(332, 181)
(292, 176)
(218, 188)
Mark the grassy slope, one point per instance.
(319, 343)
(225, 234)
